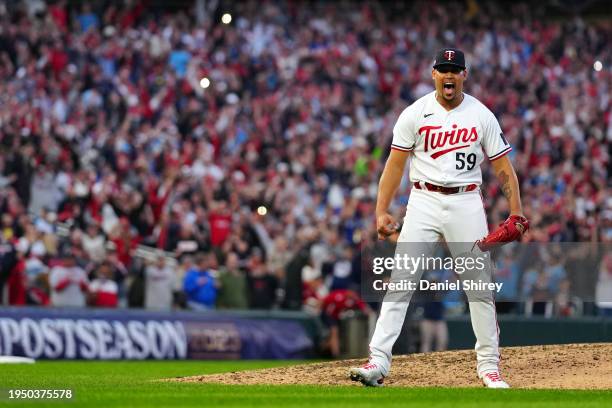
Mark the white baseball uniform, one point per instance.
(447, 151)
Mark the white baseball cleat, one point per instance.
(368, 374)
(492, 379)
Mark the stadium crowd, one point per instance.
(251, 151)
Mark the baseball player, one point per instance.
(446, 133)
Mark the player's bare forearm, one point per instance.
(388, 185)
(390, 180)
(509, 184)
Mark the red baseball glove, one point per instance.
(510, 230)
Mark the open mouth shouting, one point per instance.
(449, 89)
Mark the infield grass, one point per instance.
(132, 384)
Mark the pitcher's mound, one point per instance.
(572, 366)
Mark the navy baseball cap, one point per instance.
(450, 56)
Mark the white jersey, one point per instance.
(448, 146)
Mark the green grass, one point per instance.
(131, 384)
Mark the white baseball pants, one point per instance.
(460, 220)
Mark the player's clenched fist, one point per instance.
(386, 226)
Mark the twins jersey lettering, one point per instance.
(448, 145)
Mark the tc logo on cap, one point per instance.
(449, 54)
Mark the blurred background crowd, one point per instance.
(169, 156)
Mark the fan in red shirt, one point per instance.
(16, 283)
(339, 301)
(220, 220)
(103, 291)
(334, 306)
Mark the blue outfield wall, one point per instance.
(132, 334)
(98, 334)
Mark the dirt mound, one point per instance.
(572, 366)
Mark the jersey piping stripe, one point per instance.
(441, 152)
(401, 148)
(500, 154)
